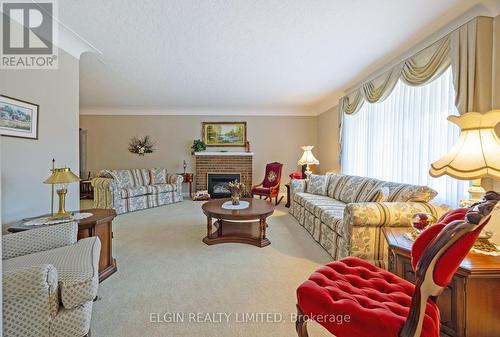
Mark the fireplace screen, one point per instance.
(217, 184)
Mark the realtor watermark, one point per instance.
(29, 34)
(240, 317)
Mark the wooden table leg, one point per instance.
(219, 228)
(287, 195)
(209, 226)
(262, 224)
(190, 190)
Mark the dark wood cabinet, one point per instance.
(100, 224)
(470, 304)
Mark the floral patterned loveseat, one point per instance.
(345, 214)
(136, 189)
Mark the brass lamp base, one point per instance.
(61, 213)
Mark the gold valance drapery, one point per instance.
(468, 50)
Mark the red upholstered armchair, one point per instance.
(353, 298)
(270, 186)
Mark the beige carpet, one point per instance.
(164, 268)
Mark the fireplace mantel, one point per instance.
(225, 153)
(223, 162)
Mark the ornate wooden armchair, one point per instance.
(352, 298)
(270, 186)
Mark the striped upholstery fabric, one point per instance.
(123, 178)
(128, 178)
(139, 190)
(158, 176)
(406, 192)
(141, 177)
(134, 191)
(161, 188)
(348, 220)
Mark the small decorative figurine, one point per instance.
(422, 220)
(184, 165)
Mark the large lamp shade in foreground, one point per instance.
(476, 153)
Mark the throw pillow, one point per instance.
(317, 184)
(158, 176)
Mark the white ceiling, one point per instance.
(254, 56)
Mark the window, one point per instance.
(398, 139)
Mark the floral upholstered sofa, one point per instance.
(345, 214)
(136, 189)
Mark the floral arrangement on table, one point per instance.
(236, 188)
(141, 146)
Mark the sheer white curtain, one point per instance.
(398, 139)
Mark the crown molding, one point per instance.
(66, 38)
(145, 111)
(74, 44)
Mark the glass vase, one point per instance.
(235, 198)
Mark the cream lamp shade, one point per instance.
(476, 153)
(308, 158)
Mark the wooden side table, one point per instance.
(470, 305)
(188, 179)
(100, 224)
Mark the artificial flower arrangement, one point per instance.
(236, 188)
(141, 146)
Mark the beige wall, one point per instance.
(26, 162)
(328, 140)
(271, 139)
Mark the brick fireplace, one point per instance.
(223, 162)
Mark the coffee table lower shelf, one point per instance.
(249, 232)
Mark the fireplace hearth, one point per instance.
(217, 184)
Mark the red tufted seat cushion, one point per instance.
(375, 301)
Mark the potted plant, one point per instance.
(198, 146)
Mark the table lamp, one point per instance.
(60, 177)
(308, 158)
(476, 153)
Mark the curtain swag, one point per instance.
(458, 49)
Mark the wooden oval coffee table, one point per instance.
(239, 226)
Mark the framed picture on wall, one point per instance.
(18, 118)
(225, 133)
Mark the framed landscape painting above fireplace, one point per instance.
(225, 133)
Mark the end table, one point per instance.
(468, 305)
(188, 179)
(100, 225)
